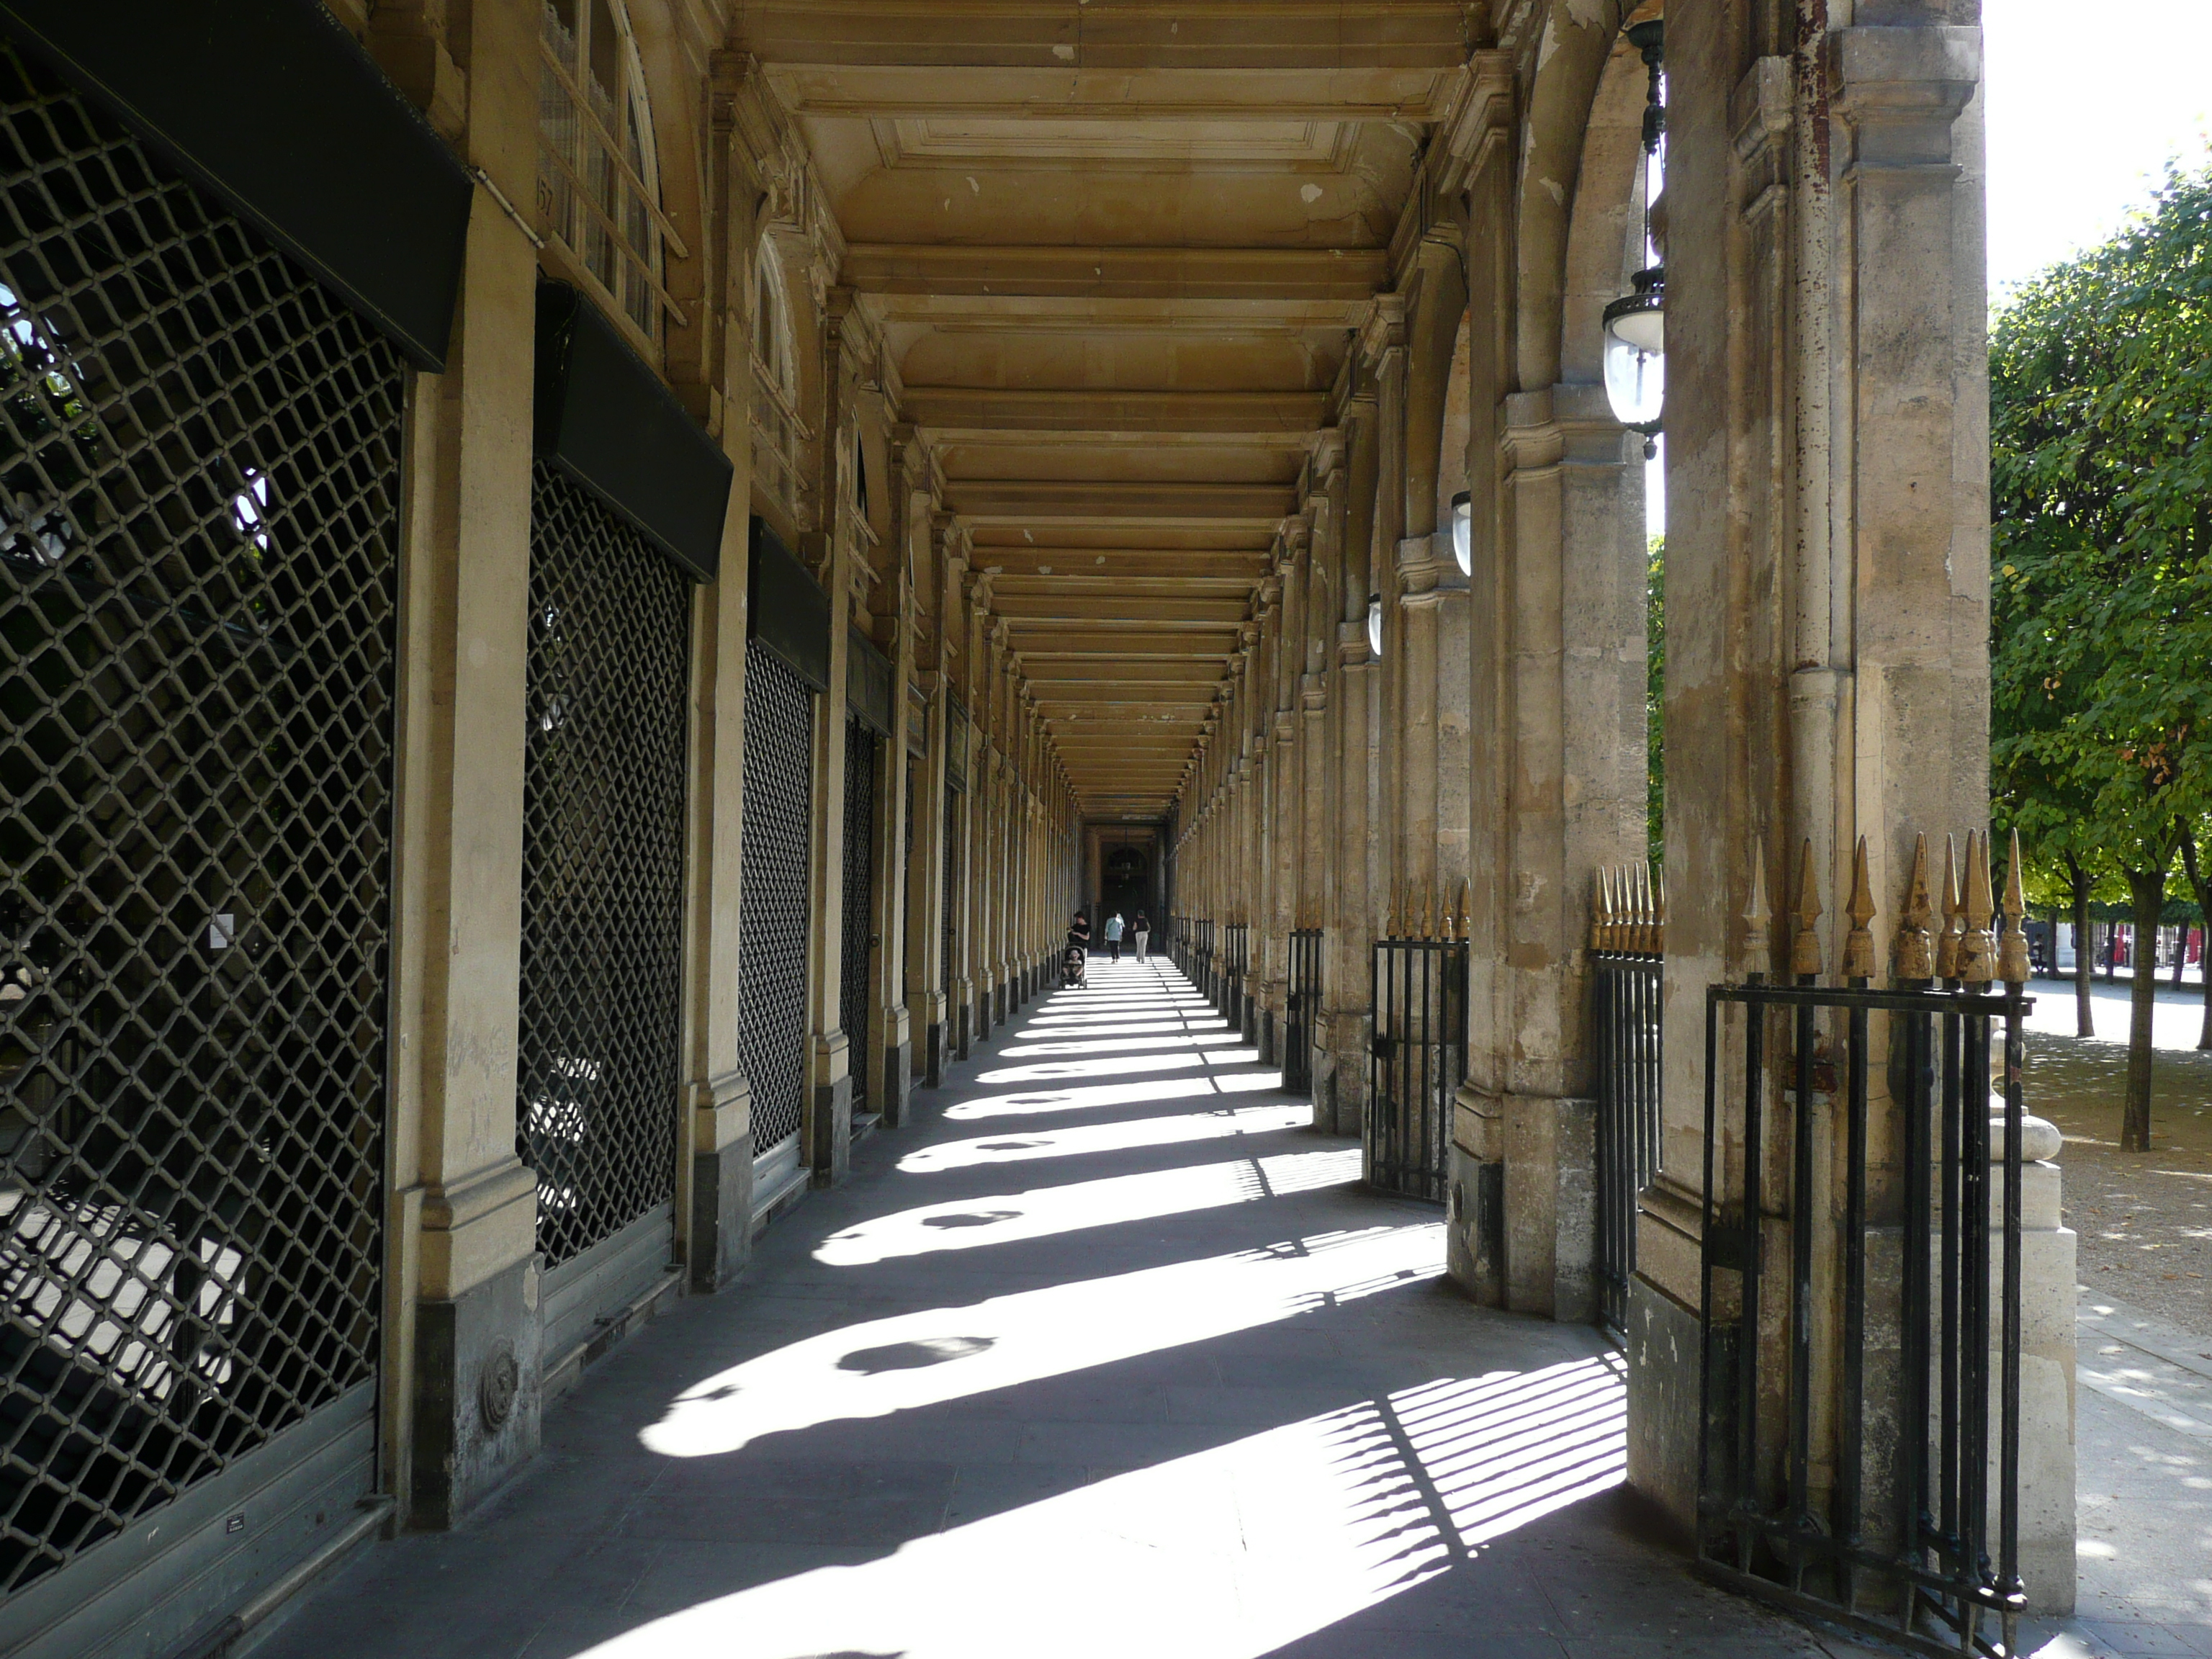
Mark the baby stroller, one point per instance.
(1072, 964)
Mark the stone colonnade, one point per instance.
(1826, 609)
(969, 800)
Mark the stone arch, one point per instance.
(1605, 236)
(674, 112)
(1578, 41)
(1434, 326)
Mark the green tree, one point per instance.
(2100, 392)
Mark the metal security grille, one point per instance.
(859, 899)
(600, 1066)
(200, 453)
(951, 904)
(1304, 1004)
(1417, 993)
(772, 889)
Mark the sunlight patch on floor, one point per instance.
(1223, 1124)
(1008, 1218)
(924, 1358)
(1112, 1065)
(1228, 1554)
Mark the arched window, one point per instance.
(598, 172)
(778, 432)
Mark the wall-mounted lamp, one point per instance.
(1635, 324)
(1374, 625)
(1463, 531)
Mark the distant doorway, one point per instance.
(1126, 881)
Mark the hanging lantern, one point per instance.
(1635, 324)
(1463, 531)
(1635, 352)
(1374, 625)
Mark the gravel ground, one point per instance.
(2145, 1221)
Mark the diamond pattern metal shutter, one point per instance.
(200, 453)
(951, 885)
(773, 885)
(604, 776)
(859, 899)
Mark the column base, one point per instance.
(1664, 1378)
(934, 1052)
(721, 1186)
(898, 1084)
(832, 1127)
(479, 1392)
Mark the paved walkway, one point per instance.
(1105, 1354)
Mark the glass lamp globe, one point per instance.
(1463, 531)
(1374, 624)
(1634, 349)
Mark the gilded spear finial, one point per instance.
(1466, 905)
(1659, 913)
(1858, 943)
(1757, 945)
(1600, 909)
(1916, 945)
(2012, 941)
(1805, 943)
(1946, 942)
(1428, 910)
(1647, 911)
(1978, 950)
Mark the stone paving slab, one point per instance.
(1182, 1390)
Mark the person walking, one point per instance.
(1114, 930)
(1141, 929)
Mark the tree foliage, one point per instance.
(2100, 392)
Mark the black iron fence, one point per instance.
(1905, 1522)
(1301, 1009)
(1236, 958)
(1627, 969)
(1416, 996)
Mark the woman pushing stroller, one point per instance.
(1073, 959)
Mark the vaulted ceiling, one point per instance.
(1117, 247)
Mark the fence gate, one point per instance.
(1304, 1004)
(1237, 945)
(1626, 987)
(1417, 994)
(854, 1002)
(600, 1063)
(1912, 1528)
(772, 898)
(200, 450)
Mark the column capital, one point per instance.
(1901, 88)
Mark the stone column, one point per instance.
(890, 1037)
(1827, 560)
(1355, 713)
(463, 1344)
(717, 1204)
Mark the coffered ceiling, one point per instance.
(1117, 247)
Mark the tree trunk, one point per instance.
(2085, 955)
(2180, 950)
(2112, 952)
(2147, 890)
(2200, 883)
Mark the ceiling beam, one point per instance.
(1036, 501)
(1092, 610)
(1120, 563)
(1293, 415)
(1118, 273)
